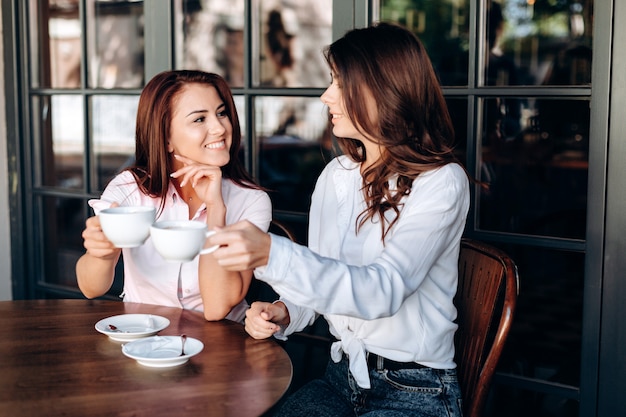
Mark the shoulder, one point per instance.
(343, 163)
(122, 189)
(123, 179)
(339, 167)
(235, 193)
(122, 185)
(441, 190)
(449, 182)
(449, 173)
(246, 203)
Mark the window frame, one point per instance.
(602, 381)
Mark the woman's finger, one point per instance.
(184, 159)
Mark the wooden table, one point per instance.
(53, 362)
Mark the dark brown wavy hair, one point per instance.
(413, 127)
(152, 167)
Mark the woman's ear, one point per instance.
(170, 148)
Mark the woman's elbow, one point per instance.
(216, 313)
(91, 295)
(89, 292)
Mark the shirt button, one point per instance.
(187, 291)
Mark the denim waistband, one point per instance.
(375, 361)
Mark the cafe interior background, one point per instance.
(535, 88)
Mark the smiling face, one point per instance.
(201, 128)
(343, 126)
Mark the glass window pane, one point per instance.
(240, 104)
(536, 163)
(113, 135)
(62, 221)
(545, 338)
(458, 113)
(443, 28)
(210, 37)
(294, 145)
(539, 43)
(60, 136)
(290, 41)
(55, 35)
(115, 44)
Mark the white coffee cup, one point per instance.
(180, 240)
(127, 226)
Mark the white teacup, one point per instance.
(127, 226)
(180, 240)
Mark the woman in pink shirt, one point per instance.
(186, 166)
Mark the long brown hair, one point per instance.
(152, 167)
(413, 125)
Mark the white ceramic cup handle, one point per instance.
(212, 249)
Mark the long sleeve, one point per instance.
(428, 230)
(393, 299)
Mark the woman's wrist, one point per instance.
(286, 319)
(216, 215)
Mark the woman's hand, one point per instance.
(206, 180)
(243, 246)
(265, 319)
(95, 270)
(96, 242)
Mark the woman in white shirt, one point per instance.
(187, 167)
(385, 225)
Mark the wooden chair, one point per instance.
(485, 300)
(281, 229)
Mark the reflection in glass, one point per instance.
(294, 145)
(443, 28)
(539, 43)
(545, 338)
(240, 105)
(55, 33)
(290, 41)
(536, 164)
(458, 113)
(210, 37)
(115, 44)
(62, 222)
(113, 135)
(60, 137)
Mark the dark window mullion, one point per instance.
(251, 158)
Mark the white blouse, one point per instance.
(148, 278)
(396, 299)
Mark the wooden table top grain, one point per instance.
(54, 363)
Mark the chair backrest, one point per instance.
(281, 229)
(485, 300)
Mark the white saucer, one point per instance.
(162, 351)
(132, 326)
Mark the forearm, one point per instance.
(95, 275)
(221, 290)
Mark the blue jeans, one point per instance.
(425, 392)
